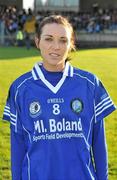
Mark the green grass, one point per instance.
(16, 61)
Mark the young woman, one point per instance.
(56, 114)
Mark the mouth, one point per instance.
(54, 55)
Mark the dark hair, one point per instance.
(58, 19)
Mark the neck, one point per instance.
(54, 68)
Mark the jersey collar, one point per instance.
(38, 74)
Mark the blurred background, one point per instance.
(95, 26)
(94, 21)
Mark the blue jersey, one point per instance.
(57, 123)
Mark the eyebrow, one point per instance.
(62, 37)
(47, 35)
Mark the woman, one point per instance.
(56, 113)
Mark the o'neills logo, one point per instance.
(76, 105)
(58, 126)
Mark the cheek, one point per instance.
(43, 46)
(67, 46)
(66, 49)
(43, 50)
(40, 45)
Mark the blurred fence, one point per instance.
(103, 39)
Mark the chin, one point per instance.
(55, 62)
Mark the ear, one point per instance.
(37, 42)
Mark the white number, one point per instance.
(56, 109)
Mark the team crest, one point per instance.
(35, 109)
(76, 105)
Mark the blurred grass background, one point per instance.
(15, 61)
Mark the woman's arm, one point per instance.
(17, 155)
(100, 151)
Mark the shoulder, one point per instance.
(21, 81)
(85, 75)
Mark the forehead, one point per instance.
(55, 29)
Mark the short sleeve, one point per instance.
(11, 111)
(103, 103)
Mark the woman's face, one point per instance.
(54, 44)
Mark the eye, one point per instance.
(63, 41)
(48, 39)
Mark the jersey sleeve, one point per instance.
(103, 103)
(18, 151)
(11, 111)
(99, 148)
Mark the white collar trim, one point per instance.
(40, 74)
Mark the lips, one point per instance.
(54, 55)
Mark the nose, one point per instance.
(56, 45)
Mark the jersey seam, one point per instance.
(16, 94)
(84, 77)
